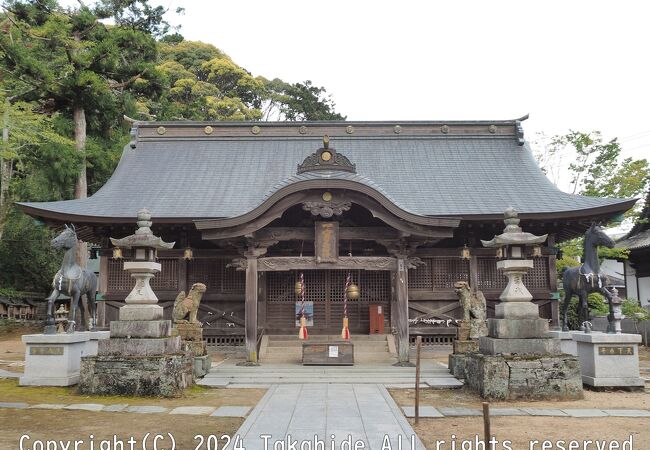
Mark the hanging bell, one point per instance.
(352, 292)
(298, 288)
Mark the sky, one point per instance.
(581, 65)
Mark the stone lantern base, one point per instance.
(141, 358)
(534, 377)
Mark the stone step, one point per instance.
(357, 344)
(437, 383)
(327, 338)
(316, 373)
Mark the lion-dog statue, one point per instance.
(185, 306)
(474, 309)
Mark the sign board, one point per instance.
(44, 351)
(615, 351)
(327, 241)
(334, 351)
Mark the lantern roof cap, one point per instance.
(143, 237)
(513, 234)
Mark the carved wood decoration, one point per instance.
(326, 209)
(280, 263)
(326, 247)
(326, 158)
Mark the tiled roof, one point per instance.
(224, 177)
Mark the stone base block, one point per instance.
(141, 328)
(197, 348)
(202, 365)
(94, 337)
(537, 346)
(516, 310)
(465, 346)
(141, 312)
(457, 363)
(463, 331)
(517, 329)
(189, 331)
(567, 344)
(609, 360)
(155, 376)
(499, 377)
(53, 359)
(140, 347)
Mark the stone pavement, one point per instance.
(212, 411)
(357, 412)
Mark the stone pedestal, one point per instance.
(191, 335)
(93, 341)
(462, 346)
(609, 360)
(567, 345)
(520, 377)
(140, 358)
(53, 359)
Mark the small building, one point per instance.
(637, 266)
(401, 206)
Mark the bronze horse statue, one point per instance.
(587, 278)
(74, 281)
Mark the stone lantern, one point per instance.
(142, 357)
(517, 359)
(141, 303)
(512, 246)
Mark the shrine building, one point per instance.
(400, 206)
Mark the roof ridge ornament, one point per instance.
(326, 158)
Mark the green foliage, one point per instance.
(299, 101)
(597, 307)
(597, 169)
(28, 261)
(634, 311)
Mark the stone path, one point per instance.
(222, 411)
(357, 412)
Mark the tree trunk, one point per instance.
(5, 170)
(79, 117)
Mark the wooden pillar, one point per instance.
(402, 313)
(103, 288)
(250, 305)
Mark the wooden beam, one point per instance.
(283, 263)
(307, 234)
(428, 312)
(219, 314)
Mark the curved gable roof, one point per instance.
(193, 176)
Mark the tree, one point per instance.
(299, 101)
(75, 64)
(29, 139)
(596, 169)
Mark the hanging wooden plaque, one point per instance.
(327, 241)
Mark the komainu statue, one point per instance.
(188, 305)
(474, 309)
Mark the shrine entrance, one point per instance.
(324, 289)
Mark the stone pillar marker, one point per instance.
(141, 357)
(518, 359)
